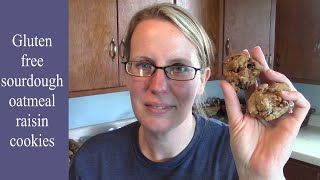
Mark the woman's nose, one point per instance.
(159, 82)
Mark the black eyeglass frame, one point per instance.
(163, 68)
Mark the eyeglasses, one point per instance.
(174, 72)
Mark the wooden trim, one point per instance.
(303, 164)
(221, 39)
(272, 30)
(300, 170)
(96, 91)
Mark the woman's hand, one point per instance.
(261, 148)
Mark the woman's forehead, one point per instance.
(157, 27)
(161, 37)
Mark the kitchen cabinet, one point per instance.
(249, 23)
(297, 43)
(298, 170)
(234, 25)
(92, 27)
(96, 31)
(207, 12)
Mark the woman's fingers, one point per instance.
(291, 122)
(301, 105)
(232, 103)
(273, 76)
(258, 55)
(245, 52)
(267, 76)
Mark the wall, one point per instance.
(89, 110)
(312, 93)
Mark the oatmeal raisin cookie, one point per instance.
(264, 103)
(241, 71)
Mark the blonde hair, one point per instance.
(188, 25)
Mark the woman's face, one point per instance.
(161, 104)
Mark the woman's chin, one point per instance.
(158, 125)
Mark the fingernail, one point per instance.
(284, 93)
(257, 47)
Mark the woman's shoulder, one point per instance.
(211, 122)
(109, 139)
(212, 128)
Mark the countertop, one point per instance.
(307, 144)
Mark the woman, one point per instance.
(168, 56)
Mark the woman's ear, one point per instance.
(204, 78)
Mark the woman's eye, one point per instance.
(143, 65)
(180, 69)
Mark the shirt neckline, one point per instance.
(176, 161)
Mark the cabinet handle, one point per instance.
(228, 47)
(316, 48)
(270, 60)
(266, 57)
(113, 49)
(121, 49)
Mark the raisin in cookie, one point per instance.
(241, 71)
(264, 103)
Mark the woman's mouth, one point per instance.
(158, 107)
